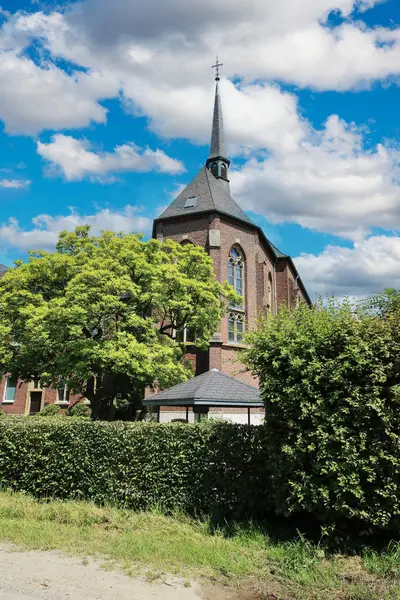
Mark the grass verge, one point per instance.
(151, 543)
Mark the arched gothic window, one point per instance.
(236, 278)
(235, 328)
(214, 169)
(269, 293)
(236, 270)
(224, 171)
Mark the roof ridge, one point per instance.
(208, 183)
(234, 378)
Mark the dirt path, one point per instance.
(36, 575)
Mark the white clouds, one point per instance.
(44, 233)
(329, 182)
(257, 116)
(34, 98)
(283, 39)
(15, 184)
(76, 160)
(369, 267)
(158, 54)
(315, 56)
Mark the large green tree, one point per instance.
(100, 314)
(330, 380)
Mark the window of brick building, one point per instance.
(270, 301)
(185, 335)
(62, 393)
(10, 388)
(236, 278)
(235, 328)
(236, 270)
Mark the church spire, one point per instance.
(217, 161)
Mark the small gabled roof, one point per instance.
(212, 388)
(207, 194)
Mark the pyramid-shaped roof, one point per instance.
(206, 194)
(212, 388)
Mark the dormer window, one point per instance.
(190, 202)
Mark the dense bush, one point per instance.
(219, 469)
(330, 379)
(79, 410)
(50, 410)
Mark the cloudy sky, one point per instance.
(105, 111)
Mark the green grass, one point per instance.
(152, 543)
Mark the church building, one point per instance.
(205, 214)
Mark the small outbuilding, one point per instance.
(208, 390)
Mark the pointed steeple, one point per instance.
(217, 146)
(217, 161)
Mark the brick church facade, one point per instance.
(205, 214)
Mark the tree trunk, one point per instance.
(102, 408)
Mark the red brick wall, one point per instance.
(21, 404)
(18, 407)
(258, 265)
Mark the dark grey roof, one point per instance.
(277, 252)
(209, 389)
(217, 146)
(211, 196)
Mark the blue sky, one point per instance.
(105, 111)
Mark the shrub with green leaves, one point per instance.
(329, 379)
(50, 410)
(220, 469)
(79, 410)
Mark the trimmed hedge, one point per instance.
(219, 469)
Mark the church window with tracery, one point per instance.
(236, 271)
(236, 278)
(235, 328)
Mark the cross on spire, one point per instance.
(216, 67)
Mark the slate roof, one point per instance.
(211, 196)
(217, 146)
(212, 388)
(276, 251)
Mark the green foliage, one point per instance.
(219, 468)
(51, 410)
(79, 410)
(98, 315)
(329, 379)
